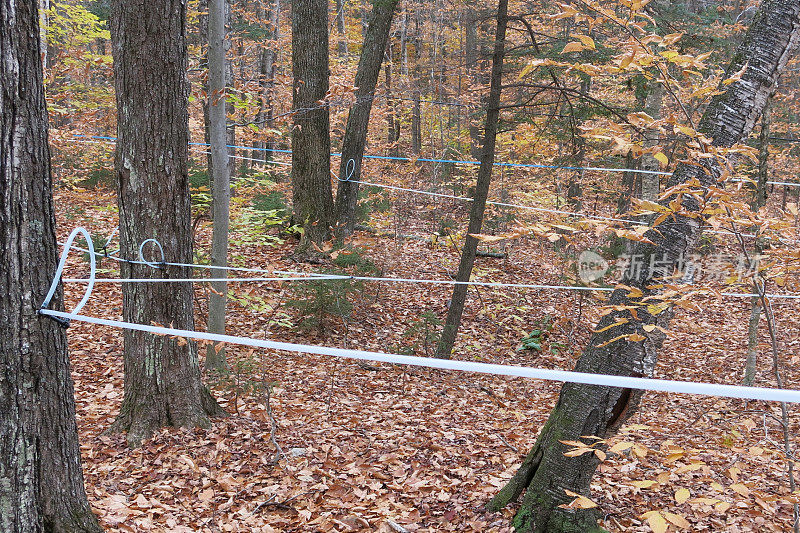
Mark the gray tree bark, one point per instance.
(41, 480)
(312, 194)
(546, 473)
(162, 375)
(478, 207)
(759, 200)
(393, 118)
(267, 71)
(651, 183)
(221, 178)
(340, 28)
(355, 135)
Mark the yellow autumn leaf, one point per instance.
(635, 337)
(566, 12)
(682, 494)
(655, 309)
(656, 521)
(574, 46)
(740, 489)
(661, 158)
(620, 447)
(735, 77)
(677, 520)
(587, 41)
(645, 484)
(612, 341)
(672, 38)
(580, 501)
(722, 506)
(619, 322)
(600, 454)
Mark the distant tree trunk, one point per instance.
(393, 121)
(416, 122)
(651, 182)
(448, 338)
(340, 28)
(759, 200)
(355, 135)
(474, 75)
(44, 8)
(41, 480)
(574, 186)
(312, 194)
(581, 410)
(267, 71)
(162, 374)
(628, 185)
(221, 178)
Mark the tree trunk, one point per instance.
(474, 73)
(581, 410)
(162, 374)
(575, 184)
(759, 200)
(312, 194)
(41, 480)
(393, 126)
(651, 183)
(267, 70)
(448, 338)
(355, 135)
(340, 28)
(220, 176)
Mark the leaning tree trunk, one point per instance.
(355, 135)
(312, 194)
(41, 480)
(448, 338)
(162, 374)
(582, 410)
(221, 179)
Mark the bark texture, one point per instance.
(591, 410)
(312, 195)
(41, 480)
(355, 135)
(651, 182)
(162, 375)
(478, 207)
(221, 179)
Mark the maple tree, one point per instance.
(162, 375)
(41, 480)
(315, 444)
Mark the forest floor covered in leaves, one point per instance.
(382, 447)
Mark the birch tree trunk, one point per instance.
(478, 207)
(221, 178)
(312, 195)
(355, 135)
(546, 473)
(41, 480)
(162, 374)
